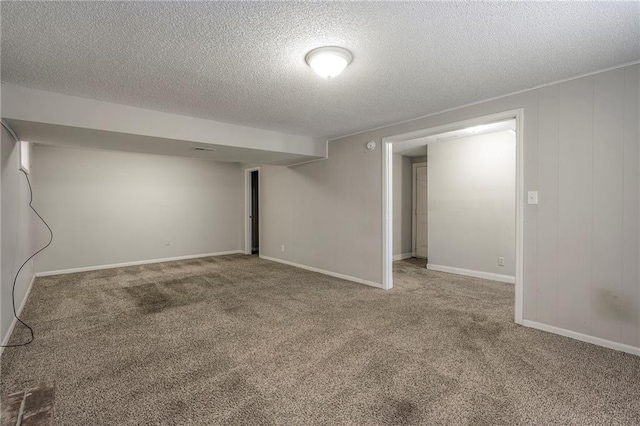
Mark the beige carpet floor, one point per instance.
(239, 340)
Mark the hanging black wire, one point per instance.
(15, 278)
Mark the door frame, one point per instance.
(248, 231)
(387, 193)
(414, 206)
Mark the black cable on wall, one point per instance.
(15, 278)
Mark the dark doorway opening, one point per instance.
(255, 213)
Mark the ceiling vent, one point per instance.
(202, 148)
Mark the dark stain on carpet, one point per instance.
(402, 412)
(150, 298)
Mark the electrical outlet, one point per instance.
(501, 261)
(167, 243)
(282, 247)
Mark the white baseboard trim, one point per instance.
(6, 337)
(402, 256)
(322, 271)
(583, 337)
(138, 262)
(471, 273)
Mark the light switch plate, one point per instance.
(532, 197)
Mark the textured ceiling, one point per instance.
(243, 62)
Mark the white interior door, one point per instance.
(420, 210)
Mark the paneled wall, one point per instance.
(587, 220)
(581, 240)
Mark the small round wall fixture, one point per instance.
(328, 61)
(371, 145)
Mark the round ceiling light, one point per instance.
(328, 61)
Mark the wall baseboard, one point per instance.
(139, 262)
(6, 337)
(583, 337)
(322, 271)
(402, 256)
(471, 273)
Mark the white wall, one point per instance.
(22, 103)
(114, 207)
(402, 204)
(472, 203)
(324, 212)
(581, 241)
(18, 223)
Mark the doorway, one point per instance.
(394, 144)
(420, 212)
(252, 211)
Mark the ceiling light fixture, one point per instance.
(328, 61)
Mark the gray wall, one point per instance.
(402, 204)
(472, 203)
(326, 213)
(17, 232)
(113, 207)
(580, 243)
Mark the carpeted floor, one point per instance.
(240, 340)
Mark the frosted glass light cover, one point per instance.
(328, 62)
